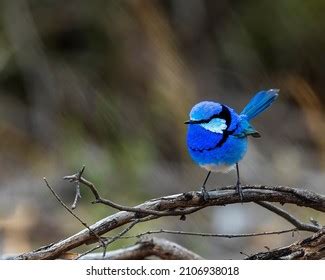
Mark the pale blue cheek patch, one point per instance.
(215, 125)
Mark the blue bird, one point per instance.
(217, 135)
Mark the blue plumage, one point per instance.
(217, 135)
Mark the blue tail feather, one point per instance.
(260, 102)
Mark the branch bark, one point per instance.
(311, 248)
(179, 205)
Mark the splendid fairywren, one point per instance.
(217, 135)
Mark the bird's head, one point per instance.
(203, 112)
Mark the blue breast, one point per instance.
(200, 139)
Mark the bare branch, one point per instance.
(148, 247)
(311, 248)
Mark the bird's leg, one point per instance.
(203, 190)
(238, 184)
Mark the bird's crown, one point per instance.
(205, 110)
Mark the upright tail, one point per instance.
(260, 102)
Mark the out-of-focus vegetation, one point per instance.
(108, 84)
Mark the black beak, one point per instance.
(187, 122)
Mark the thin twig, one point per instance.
(290, 218)
(100, 240)
(204, 234)
(112, 239)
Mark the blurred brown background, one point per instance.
(109, 84)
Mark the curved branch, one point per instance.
(161, 248)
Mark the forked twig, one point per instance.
(100, 240)
(77, 178)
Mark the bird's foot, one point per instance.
(205, 194)
(239, 190)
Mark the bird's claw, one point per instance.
(205, 194)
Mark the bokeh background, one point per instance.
(108, 84)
